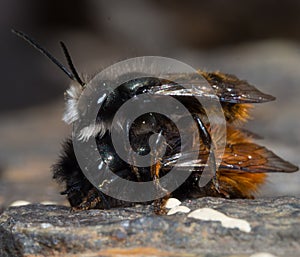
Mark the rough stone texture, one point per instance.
(39, 230)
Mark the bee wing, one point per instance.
(250, 157)
(228, 88)
(231, 89)
(242, 157)
(185, 161)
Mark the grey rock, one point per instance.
(39, 230)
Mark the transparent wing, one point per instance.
(242, 157)
(228, 88)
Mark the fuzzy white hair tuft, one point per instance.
(72, 96)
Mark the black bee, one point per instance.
(244, 163)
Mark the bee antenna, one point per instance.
(72, 75)
(71, 65)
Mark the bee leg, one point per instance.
(135, 170)
(160, 205)
(206, 138)
(155, 174)
(212, 163)
(94, 200)
(224, 194)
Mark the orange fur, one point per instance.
(235, 183)
(238, 184)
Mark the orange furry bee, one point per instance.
(244, 163)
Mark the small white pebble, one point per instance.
(180, 208)
(209, 214)
(19, 203)
(262, 255)
(48, 203)
(46, 225)
(172, 202)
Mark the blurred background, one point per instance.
(256, 40)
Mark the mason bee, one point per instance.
(244, 164)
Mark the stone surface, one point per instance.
(40, 230)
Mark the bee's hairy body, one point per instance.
(244, 164)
